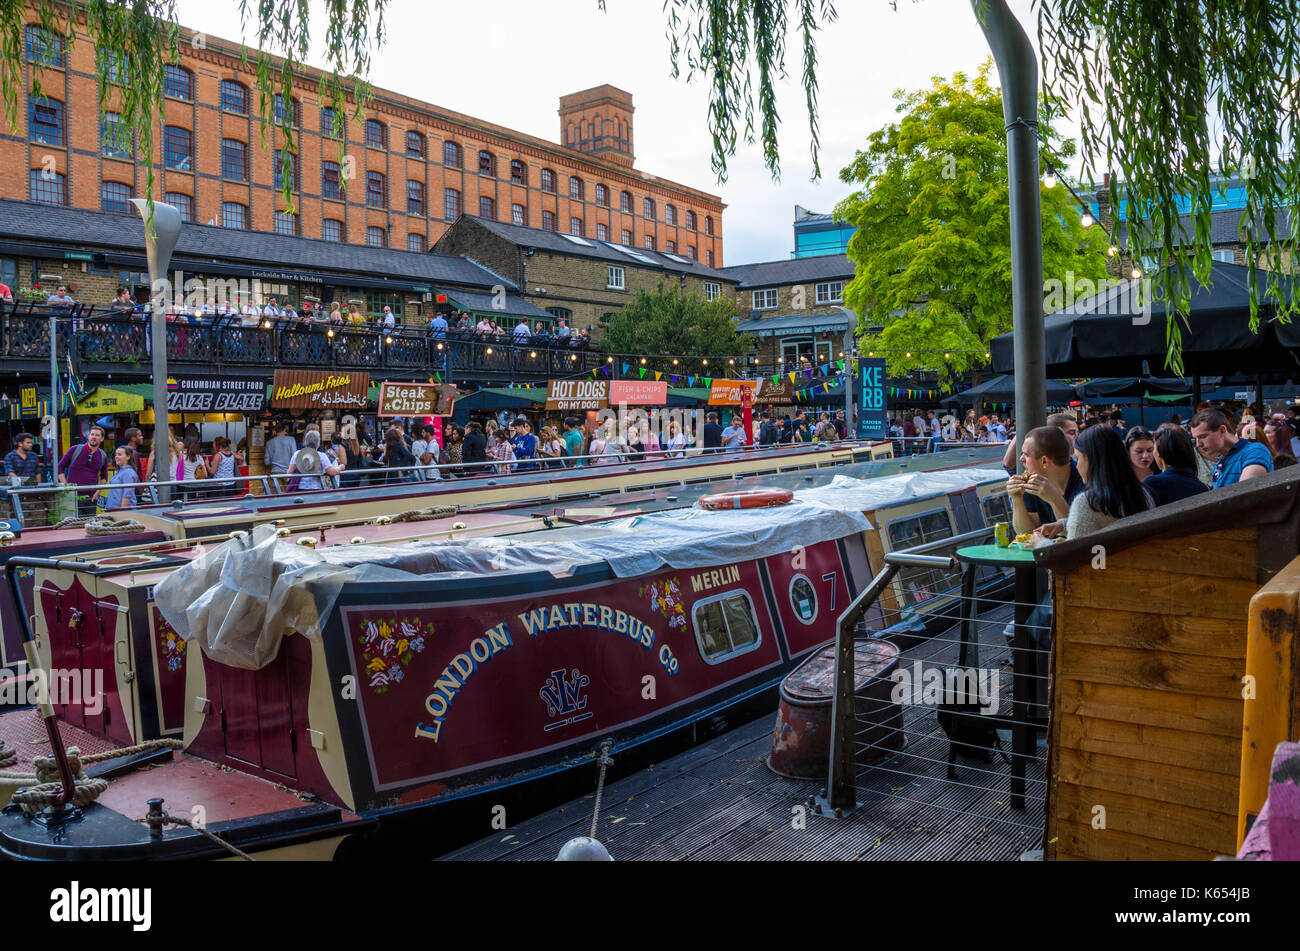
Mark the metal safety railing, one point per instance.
(944, 750)
(160, 492)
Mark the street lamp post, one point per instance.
(158, 248)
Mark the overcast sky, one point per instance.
(514, 71)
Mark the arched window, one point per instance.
(376, 134)
(44, 47)
(327, 116)
(625, 202)
(708, 224)
(548, 180)
(234, 215)
(648, 208)
(178, 82)
(114, 136)
(487, 207)
(329, 180)
(331, 229)
(548, 221)
(286, 115)
(487, 164)
(376, 190)
(277, 170)
(414, 146)
(46, 121)
(414, 197)
(178, 148)
(234, 160)
(286, 223)
(451, 155)
(47, 187)
(415, 242)
(575, 187)
(376, 237)
(602, 196)
(450, 204)
(182, 203)
(690, 220)
(518, 172)
(234, 97)
(670, 214)
(114, 196)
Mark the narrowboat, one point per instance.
(396, 677)
(361, 504)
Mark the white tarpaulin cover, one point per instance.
(242, 597)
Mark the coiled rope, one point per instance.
(34, 798)
(420, 515)
(102, 525)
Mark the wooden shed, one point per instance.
(1148, 660)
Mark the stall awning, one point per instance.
(482, 303)
(792, 324)
(106, 400)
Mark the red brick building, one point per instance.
(404, 173)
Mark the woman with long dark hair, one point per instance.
(1141, 446)
(1176, 452)
(1111, 491)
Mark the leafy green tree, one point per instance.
(676, 324)
(933, 243)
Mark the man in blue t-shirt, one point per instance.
(1238, 459)
(525, 445)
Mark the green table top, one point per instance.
(996, 555)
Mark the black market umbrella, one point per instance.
(1114, 333)
(1133, 387)
(1002, 389)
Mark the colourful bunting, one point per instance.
(674, 376)
(641, 370)
(625, 367)
(658, 375)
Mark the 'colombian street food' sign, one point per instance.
(316, 389)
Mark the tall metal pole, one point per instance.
(158, 248)
(850, 351)
(1018, 72)
(54, 394)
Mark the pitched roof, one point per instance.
(97, 229)
(561, 243)
(797, 323)
(1224, 225)
(792, 271)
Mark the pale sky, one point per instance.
(514, 70)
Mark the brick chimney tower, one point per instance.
(598, 121)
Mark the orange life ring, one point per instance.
(749, 499)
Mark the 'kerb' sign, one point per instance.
(577, 394)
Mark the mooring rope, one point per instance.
(605, 763)
(102, 524)
(189, 823)
(420, 515)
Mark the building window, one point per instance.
(415, 242)
(327, 123)
(234, 215)
(765, 300)
(614, 277)
(376, 237)
(920, 584)
(114, 67)
(548, 180)
(711, 290)
(331, 229)
(602, 196)
(450, 204)
(329, 180)
(414, 197)
(690, 220)
(487, 164)
(178, 148)
(286, 115)
(48, 187)
(710, 257)
(725, 626)
(414, 145)
(648, 208)
(627, 237)
(518, 215)
(277, 170)
(518, 172)
(46, 121)
(548, 221)
(114, 196)
(182, 203)
(670, 214)
(648, 242)
(376, 134)
(44, 47)
(575, 226)
(576, 189)
(376, 190)
(560, 313)
(625, 202)
(708, 224)
(234, 97)
(286, 222)
(670, 246)
(690, 249)
(234, 160)
(177, 82)
(114, 136)
(451, 155)
(1223, 254)
(487, 208)
(602, 232)
(831, 292)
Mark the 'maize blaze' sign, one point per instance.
(215, 395)
(577, 394)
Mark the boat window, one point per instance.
(997, 508)
(922, 584)
(725, 626)
(803, 599)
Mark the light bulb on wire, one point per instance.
(1086, 220)
(1049, 180)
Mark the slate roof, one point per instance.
(104, 230)
(823, 267)
(1224, 223)
(478, 302)
(797, 323)
(560, 243)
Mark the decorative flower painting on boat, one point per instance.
(665, 597)
(388, 646)
(172, 644)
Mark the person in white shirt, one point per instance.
(389, 320)
(483, 328)
(522, 333)
(271, 310)
(676, 441)
(918, 421)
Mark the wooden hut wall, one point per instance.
(1149, 655)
